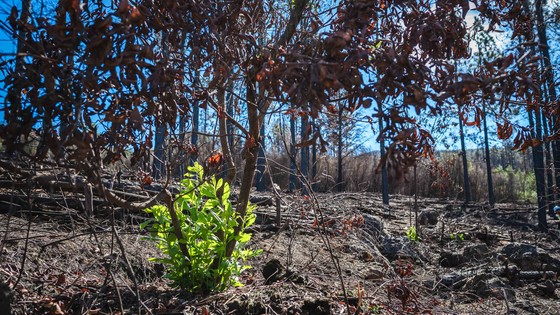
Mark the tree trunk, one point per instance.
(314, 164)
(260, 180)
(159, 156)
(548, 169)
(491, 197)
(250, 156)
(293, 179)
(538, 167)
(225, 137)
(384, 175)
(340, 179)
(466, 180)
(304, 163)
(194, 133)
(549, 79)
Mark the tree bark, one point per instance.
(195, 129)
(314, 163)
(384, 175)
(304, 162)
(225, 137)
(550, 85)
(538, 167)
(159, 157)
(260, 180)
(491, 197)
(466, 179)
(293, 151)
(251, 156)
(340, 179)
(549, 166)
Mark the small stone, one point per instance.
(449, 259)
(529, 257)
(316, 307)
(365, 256)
(375, 275)
(428, 217)
(476, 252)
(272, 271)
(548, 288)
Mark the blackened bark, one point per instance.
(384, 175)
(304, 162)
(538, 167)
(293, 179)
(491, 197)
(466, 179)
(549, 79)
(340, 178)
(260, 180)
(225, 137)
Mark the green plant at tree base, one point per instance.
(412, 235)
(207, 222)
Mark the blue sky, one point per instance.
(7, 47)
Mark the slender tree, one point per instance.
(487, 158)
(339, 153)
(293, 151)
(549, 83)
(384, 174)
(261, 162)
(314, 160)
(304, 159)
(464, 160)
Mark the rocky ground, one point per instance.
(473, 260)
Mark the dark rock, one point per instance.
(476, 252)
(295, 277)
(488, 238)
(374, 274)
(428, 217)
(316, 307)
(453, 280)
(373, 228)
(272, 271)
(399, 248)
(548, 288)
(526, 306)
(530, 257)
(486, 286)
(448, 259)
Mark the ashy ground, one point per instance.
(473, 260)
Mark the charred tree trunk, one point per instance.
(250, 155)
(293, 179)
(261, 186)
(225, 138)
(466, 179)
(159, 156)
(194, 133)
(340, 178)
(538, 167)
(304, 163)
(384, 175)
(548, 169)
(491, 197)
(314, 163)
(549, 81)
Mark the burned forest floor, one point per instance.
(349, 254)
